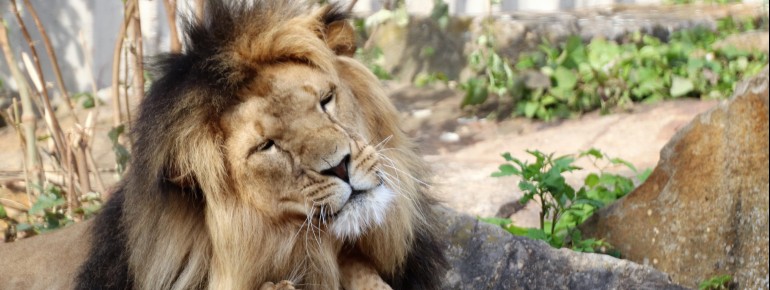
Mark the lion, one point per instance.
(264, 157)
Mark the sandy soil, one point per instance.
(462, 168)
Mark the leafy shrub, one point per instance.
(495, 73)
(49, 212)
(720, 282)
(604, 74)
(563, 207)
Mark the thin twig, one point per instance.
(55, 129)
(80, 146)
(138, 56)
(87, 53)
(70, 180)
(14, 204)
(88, 132)
(116, 111)
(351, 5)
(126, 86)
(28, 176)
(95, 170)
(53, 59)
(32, 164)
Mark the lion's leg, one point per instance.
(360, 275)
(283, 285)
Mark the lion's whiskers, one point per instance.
(396, 185)
(392, 165)
(383, 142)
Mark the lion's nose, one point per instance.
(340, 170)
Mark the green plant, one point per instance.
(425, 79)
(440, 14)
(603, 74)
(86, 99)
(719, 282)
(494, 73)
(374, 59)
(122, 155)
(370, 54)
(49, 212)
(563, 207)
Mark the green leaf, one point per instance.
(115, 133)
(46, 201)
(518, 231)
(618, 161)
(536, 234)
(716, 282)
(527, 187)
(681, 86)
(592, 152)
(506, 170)
(507, 156)
(475, 92)
(88, 99)
(530, 108)
(565, 78)
(496, 221)
(3, 214)
(592, 180)
(591, 202)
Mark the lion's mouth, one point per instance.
(355, 196)
(363, 210)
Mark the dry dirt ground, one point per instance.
(464, 151)
(462, 168)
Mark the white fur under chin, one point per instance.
(362, 213)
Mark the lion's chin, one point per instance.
(362, 212)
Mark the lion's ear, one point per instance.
(338, 32)
(341, 38)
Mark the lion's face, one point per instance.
(298, 152)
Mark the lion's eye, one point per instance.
(326, 100)
(262, 147)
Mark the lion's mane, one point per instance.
(153, 233)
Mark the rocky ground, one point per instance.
(465, 151)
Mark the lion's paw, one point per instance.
(360, 275)
(283, 285)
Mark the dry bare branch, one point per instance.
(79, 144)
(138, 53)
(52, 56)
(32, 162)
(170, 6)
(54, 129)
(116, 111)
(349, 9)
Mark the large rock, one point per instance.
(484, 256)
(704, 209)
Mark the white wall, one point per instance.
(81, 28)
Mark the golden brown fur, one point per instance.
(265, 153)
